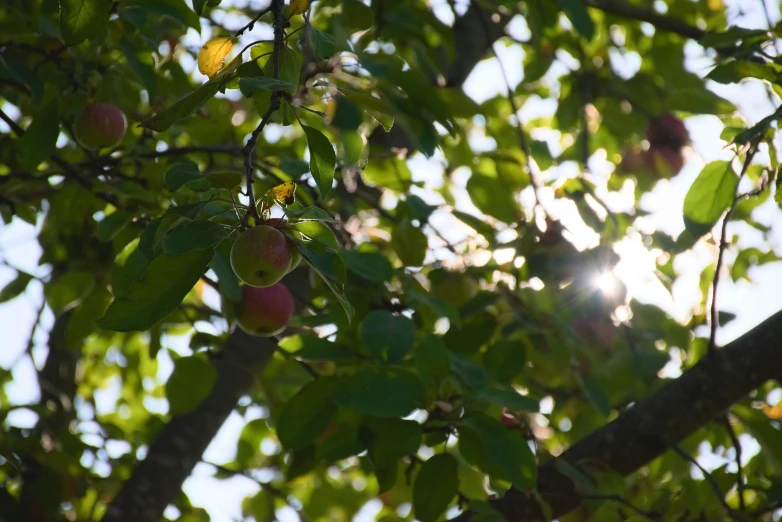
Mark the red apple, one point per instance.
(100, 125)
(667, 129)
(664, 161)
(265, 311)
(261, 256)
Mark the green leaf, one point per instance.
(196, 235)
(323, 44)
(250, 84)
(289, 68)
(111, 225)
(40, 139)
(506, 359)
(472, 374)
(198, 6)
(369, 265)
(381, 391)
(69, 290)
(319, 234)
(82, 19)
(15, 287)
(226, 277)
(596, 394)
(578, 15)
(190, 383)
(260, 507)
(409, 243)
(392, 439)
(436, 484)
(476, 224)
(491, 197)
(709, 196)
(310, 214)
(388, 337)
(312, 348)
(698, 101)
(184, 107)
(166, 282)
(348, 116)
(432, 360)
(323, 160)
(735, 71)
(188, 174)
(328, 265)
(504, 449)
(307, 414)
(508, 398)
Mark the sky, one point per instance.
(750, 301)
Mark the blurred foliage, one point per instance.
(414, 344)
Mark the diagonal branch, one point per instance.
(707, 476)
(660, 21)
(157, 480)
(647, 429)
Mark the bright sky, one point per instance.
(751, 302)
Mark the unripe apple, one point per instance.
(667, 129)
(264, 311)
(100, 125)
(260, 256)
(285, 227)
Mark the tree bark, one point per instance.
(649, 428)
(157, 480)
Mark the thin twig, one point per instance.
(713, 316)
(651, 515)
(249, 148)
(240, 473)
(249, 26)
(69, 170)
(736, 446)
(706, 475)
(520, 129)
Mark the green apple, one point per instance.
(261, 256)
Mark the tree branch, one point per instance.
(158, 479)
(648, 428)
(707, 476)
(645, 14)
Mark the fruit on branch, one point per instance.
(100, 125)
(260, 256)
(667, 129)
(664, 161)
(283, 226)
(265, 311)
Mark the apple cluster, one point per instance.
(260, 257)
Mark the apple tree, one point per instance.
(303, 215)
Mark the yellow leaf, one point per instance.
(285, 192)
(299, 6)
(212, 54)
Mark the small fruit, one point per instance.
(261, 256)
(265, 311)
(664, 161)
(100, 125)
(667, 129)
